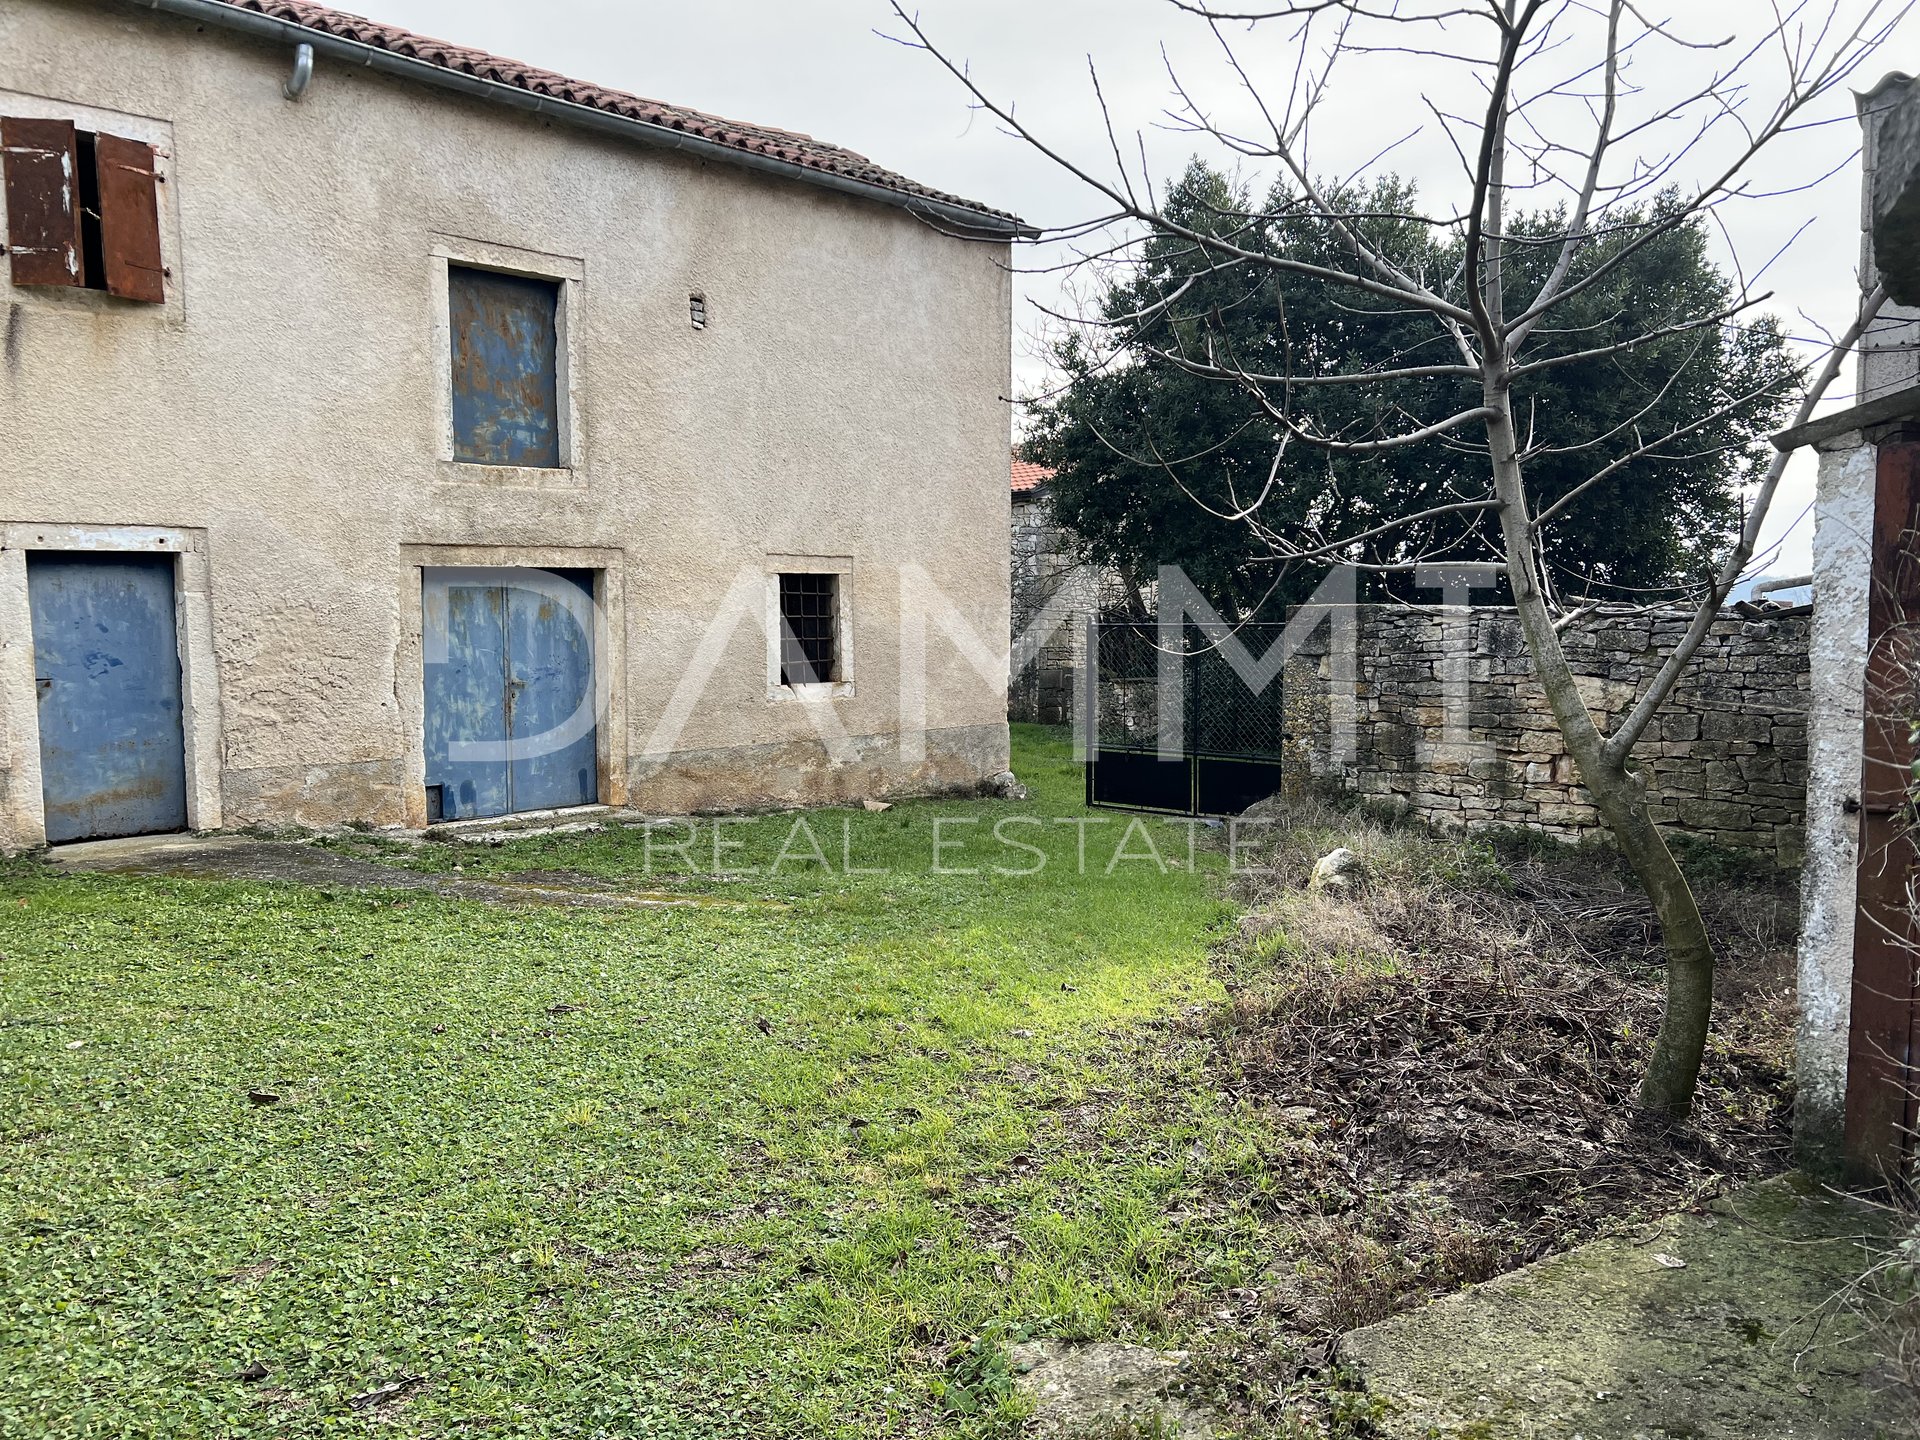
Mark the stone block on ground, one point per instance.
(1082, 1390)
(1722, 1326)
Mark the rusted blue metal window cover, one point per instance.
(506, 393)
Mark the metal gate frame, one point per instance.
(1232, 750)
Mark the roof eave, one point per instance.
(1890, 409)
(963, 221)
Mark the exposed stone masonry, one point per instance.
(1726, 759)
(1043, 692)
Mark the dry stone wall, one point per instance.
(1451, 725)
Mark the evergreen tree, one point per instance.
(1158, 457)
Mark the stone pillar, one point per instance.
(22, 819)
(1842, 566)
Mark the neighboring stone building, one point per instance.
(1859, 984)
(1045, 574)
(391, 431)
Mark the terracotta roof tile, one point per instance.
(1028, 476)
(802, 151)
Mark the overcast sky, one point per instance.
(819, 66)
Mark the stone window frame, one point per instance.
(567, 272)
(841, 568)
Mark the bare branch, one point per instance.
(1351, 377)
(1803, 90)
(1651, 448)
(1577, 222)
(1621, 743)
(1645, 337)
(1337, 549)
(1158, 221)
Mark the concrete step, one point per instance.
(1728, 1325)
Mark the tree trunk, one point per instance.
(1682, 1042)
(1618, 793)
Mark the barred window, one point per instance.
(809, 626)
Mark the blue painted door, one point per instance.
(466, 711)
(550, 700)
(510, 717)
(106, 666)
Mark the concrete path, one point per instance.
(1732, 1325)
(241, 857)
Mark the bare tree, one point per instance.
(1556, 116)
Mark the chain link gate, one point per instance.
(1230, 752)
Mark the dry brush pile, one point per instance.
(1449, 1046)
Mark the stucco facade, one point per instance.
(280, 425)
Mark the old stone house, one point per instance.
(390, 431)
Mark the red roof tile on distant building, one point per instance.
(1028, 476)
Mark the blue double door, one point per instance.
(510, 698)
(106, 665)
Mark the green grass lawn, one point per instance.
(791, 1151)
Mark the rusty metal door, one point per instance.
(510, 696)
(107, 676)
(1883, 1081)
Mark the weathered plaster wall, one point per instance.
(843, 401)
(1452, 726)
(1837, 657)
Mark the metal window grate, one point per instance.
(809, 622)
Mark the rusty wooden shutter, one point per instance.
(43, 202)
(129, 218)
